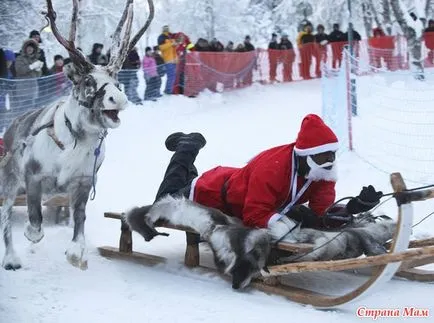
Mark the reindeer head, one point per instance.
(95, 87)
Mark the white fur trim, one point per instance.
(281, 228)
(193, 185)
(317, 150)
(275, 217)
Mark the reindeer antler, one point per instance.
(120, 48)
(74, 18)
(140, 33)
(77, 57)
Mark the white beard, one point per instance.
(318, 173)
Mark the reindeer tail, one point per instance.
(137, 221)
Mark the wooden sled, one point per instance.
(399, 261)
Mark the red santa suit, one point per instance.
(263, 190)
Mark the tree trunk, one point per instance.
(428, 8)
(209, 9)
(387, 21)
(375, 14)
(413, 31)
(367, 19)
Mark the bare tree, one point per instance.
(386, 14)
(412, 26)
(367, 18)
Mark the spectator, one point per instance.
(97, 57)
(307, 50)
(337, 39)
(34, 34)
(248, 46)
(58, 65)
(168, 51)
(240, 48)
(44, 92)
(273, 57)
(321, 39)
(356, 39)
(7, 88)
(381, 47)
(58, 81)
(202, 45)
(216, 46)
(128, 76)
(429, 40)
(287, 57)
(230, 46)
(28, 67)
(161, 68)
(151, 76)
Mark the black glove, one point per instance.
(304, 215)
(367, 199)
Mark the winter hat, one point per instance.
(315, 137)
(34, 33)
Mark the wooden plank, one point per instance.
(348, 264)
(56, 201)
(21, 200)
(417, 274)
(111, 252)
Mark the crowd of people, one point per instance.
(167, 58)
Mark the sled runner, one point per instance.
(401, 260)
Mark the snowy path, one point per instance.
(237, 125)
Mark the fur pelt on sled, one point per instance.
(239, 251)
(366, 236)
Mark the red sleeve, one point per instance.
(263, 197)
(322, 195)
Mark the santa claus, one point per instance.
(265, 193)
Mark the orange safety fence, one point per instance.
(222, 71)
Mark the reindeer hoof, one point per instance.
(11, 262)
(33, 234)
(76, 256)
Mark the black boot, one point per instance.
(194, 140)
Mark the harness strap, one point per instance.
(50, 129)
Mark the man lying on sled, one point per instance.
(269, 190)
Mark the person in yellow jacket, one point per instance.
(167, 45)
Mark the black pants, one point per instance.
(179, 173)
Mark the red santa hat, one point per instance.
(315, 137)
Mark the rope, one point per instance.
(96, 153)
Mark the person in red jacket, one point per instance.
(264, 193)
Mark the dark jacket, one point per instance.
(336, 36)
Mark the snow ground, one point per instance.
(237, 125)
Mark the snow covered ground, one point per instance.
(237, 125)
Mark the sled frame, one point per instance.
(399, 261)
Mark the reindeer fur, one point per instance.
(239, 251)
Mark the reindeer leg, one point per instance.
(34, 231)
(79, 194)
(10, 260)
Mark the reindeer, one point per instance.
(59, 148)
